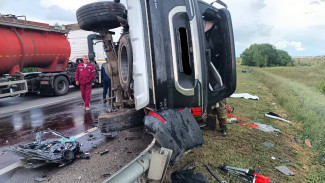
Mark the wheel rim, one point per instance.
(61, 86)
(124, 64)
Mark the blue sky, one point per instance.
(297, 26)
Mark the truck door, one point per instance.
(220, 52)
(175, 53)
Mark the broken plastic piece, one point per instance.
(188, 176)
(180, 132)
(268, 144)
(285, 170)
(267, 128)
(276, 116)
(40, 179)
(244, 95)
(307, 142)
(104, 152)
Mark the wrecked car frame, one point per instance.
(61, 151)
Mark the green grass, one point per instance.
(243, 148)
(310, 76)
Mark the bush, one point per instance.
(321, 86)
(29, 69)
(265, 55)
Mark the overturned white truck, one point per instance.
(173, 59)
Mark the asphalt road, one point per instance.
(21, 117)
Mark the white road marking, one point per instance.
(11, 167)
(57, 101)
(19, 163)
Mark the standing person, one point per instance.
(106, 83)
(85, 73)
(219, 112)
(214, 41)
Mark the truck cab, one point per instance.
(172, 60)
(185, 66)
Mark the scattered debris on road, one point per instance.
(104, 152)
(61, 151)
(132, 138)
(276, 116)
(40, 179)
(285, 170)
(244, 95)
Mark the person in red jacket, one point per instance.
(85, 73)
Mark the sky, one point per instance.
(296, 26)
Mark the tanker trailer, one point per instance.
(32, 44)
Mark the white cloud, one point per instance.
(285, 44)
(69, 5)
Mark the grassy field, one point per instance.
(289, 93)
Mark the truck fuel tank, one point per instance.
(31, 44)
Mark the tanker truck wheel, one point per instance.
(61, 85)
(100, 15)
(125, 61)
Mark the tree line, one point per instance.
(265, 55)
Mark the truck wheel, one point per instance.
(125, 61)
(61, 85)
(112, 123)
(100, 15)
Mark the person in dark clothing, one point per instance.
(106, 81)
(215, 44)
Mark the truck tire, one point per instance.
(117, 121)
(60, 85)
(125, 62)
(100, 15)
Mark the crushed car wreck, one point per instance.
(61, 151)
(165, 67)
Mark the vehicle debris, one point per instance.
(267, 128)
(285, 161)
(246, 174)
(307, 142)
(285, 170)
(170, 128)
(268, 144)
(60, 151)
(276, 116)
(188, 176)
(104, 152)
(244, 95)
(132, 138)
(296, 140)
(214, 175)
(322, 157)
(41, 179)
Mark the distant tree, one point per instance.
(57, 26)
(285, 58)
(265, 55)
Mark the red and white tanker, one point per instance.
(32, 44)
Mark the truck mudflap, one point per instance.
(175, 130)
